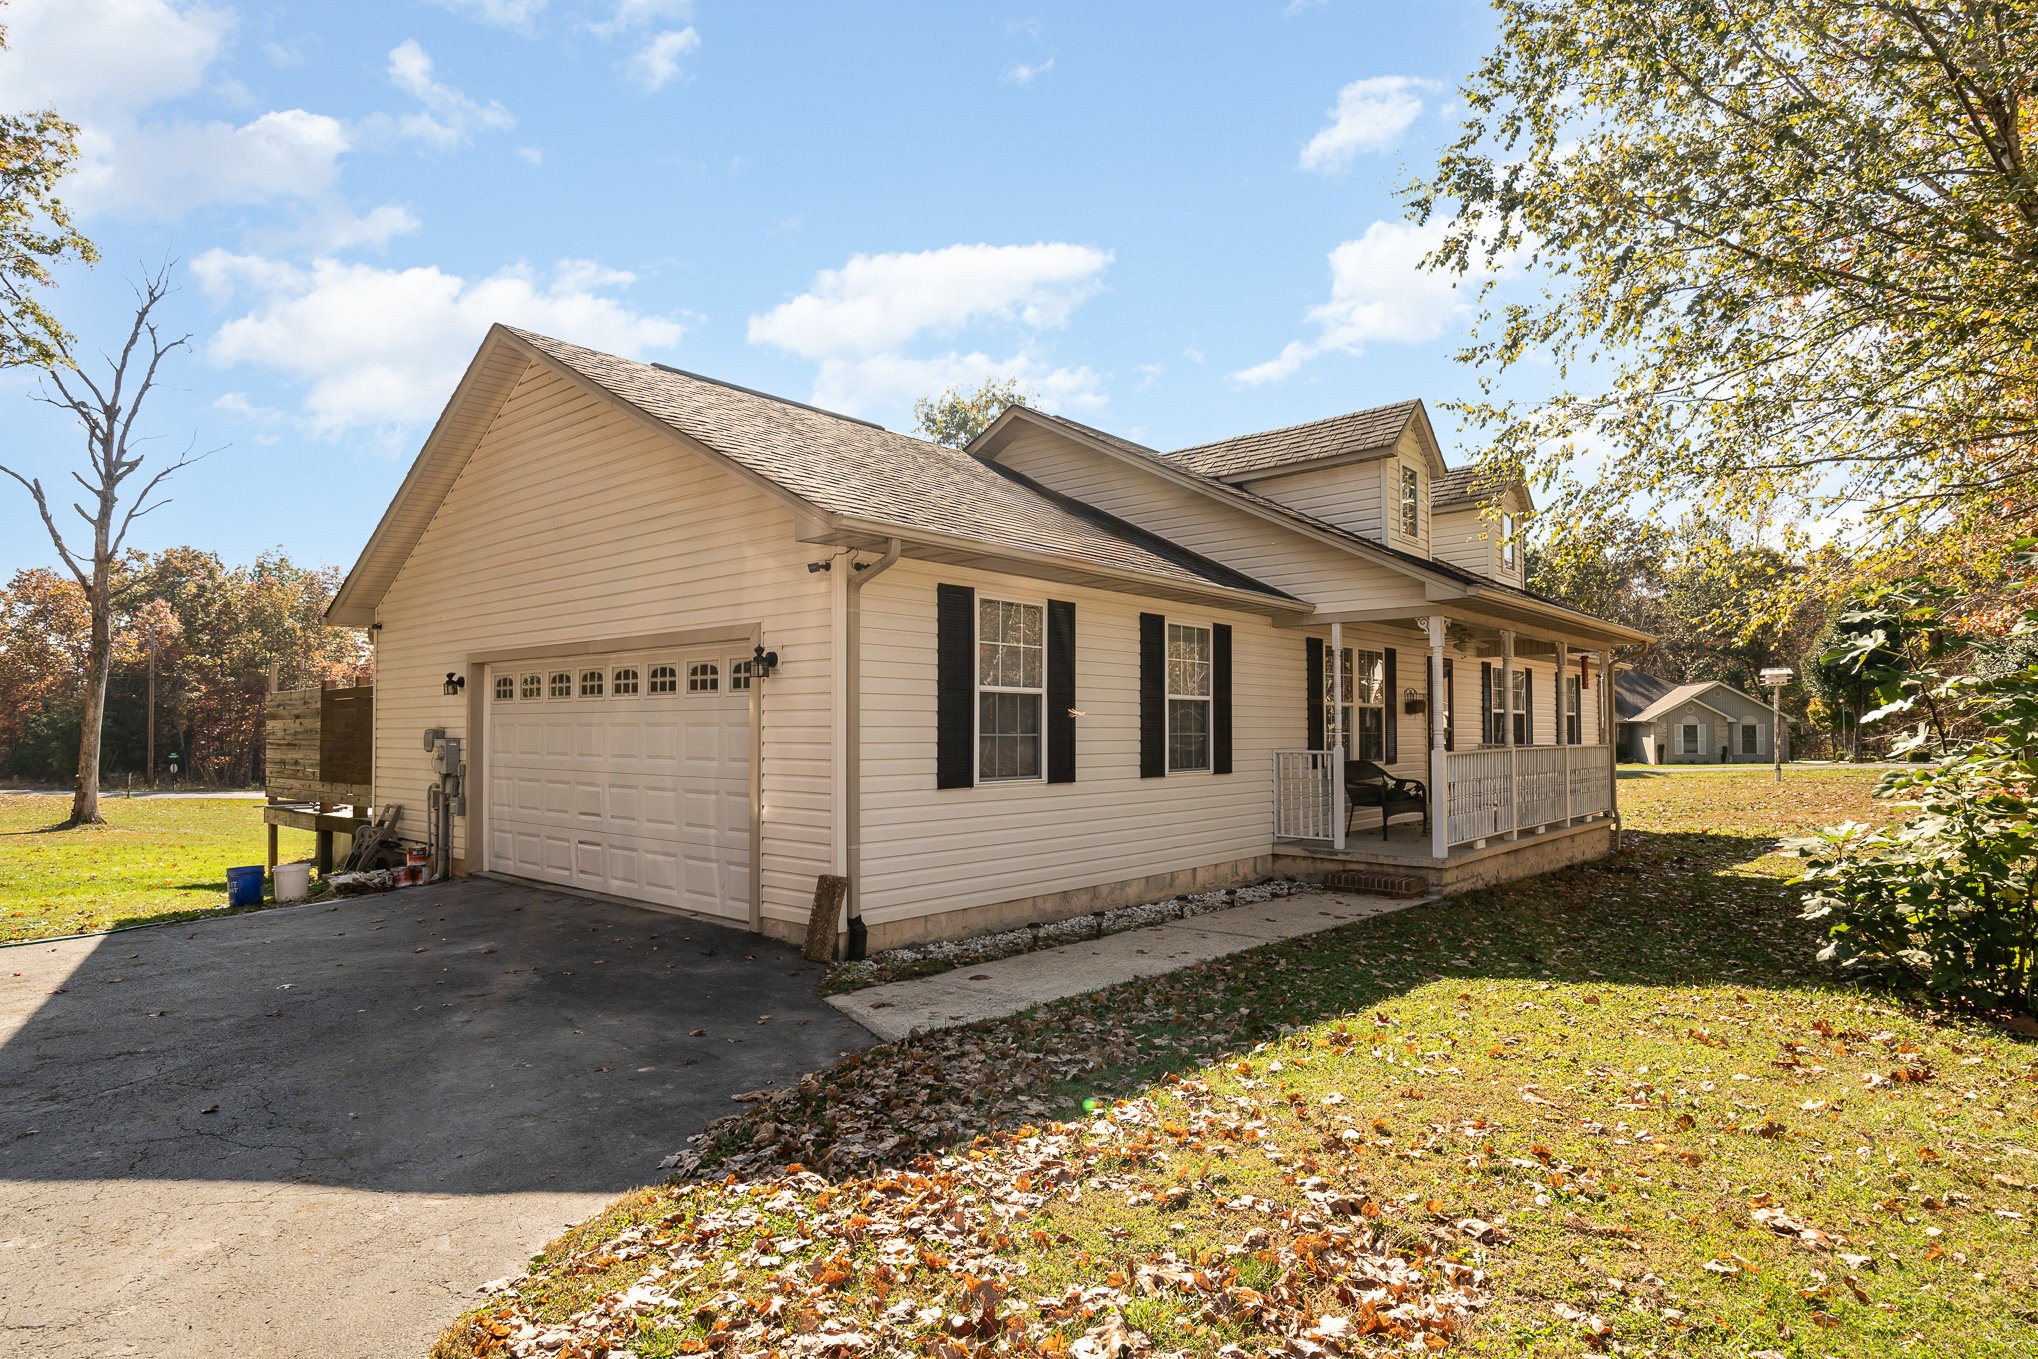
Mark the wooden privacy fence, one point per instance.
(321, 746)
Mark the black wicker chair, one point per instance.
(1368, 785)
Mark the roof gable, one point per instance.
(824, 464)
(1671, 697)
(1474, 487)
(1353, 437)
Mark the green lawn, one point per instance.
(155, 859)
(1618, 1109)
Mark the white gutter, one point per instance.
(852, 717)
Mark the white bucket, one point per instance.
(293, 882)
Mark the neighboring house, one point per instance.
(1704, 723)
(1052, 673)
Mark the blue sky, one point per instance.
(1176, 221)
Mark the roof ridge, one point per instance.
(769, 396)
(1287, 429)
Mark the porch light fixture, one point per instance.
(763, 662)
(453, 685)
(1412, 702)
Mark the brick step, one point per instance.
(1378, 884)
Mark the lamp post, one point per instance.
(1776, 678)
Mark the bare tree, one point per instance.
(107, 410)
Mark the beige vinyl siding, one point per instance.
(1466, 539)
(574, 522)
(1348, 495)
(1329, 577)
(928, 850)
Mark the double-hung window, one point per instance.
(1189, 671)
(1359, 697)
(1574, 717)
(1691, 738)
(1507, 548)
(1411, 501)
(1751, 742)
(1011, 688)
(1496, 717)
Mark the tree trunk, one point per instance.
(98, 661)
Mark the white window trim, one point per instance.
(1169, 698)
(978, 689)
(1408, 502)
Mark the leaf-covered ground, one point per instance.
(1615, 1110)
(155, 860)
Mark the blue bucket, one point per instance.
(244, 886)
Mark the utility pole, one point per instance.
(1776, 679)
(152, 708)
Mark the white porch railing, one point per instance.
(1493, 791)
(1498, 789)
(1306, 796)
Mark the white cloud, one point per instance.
(1378, 292)
(449, 118)
(1019, 73)
(656, 63)
(335, 227)
(1370, 115)
(859, 322)
(631, 15)
(515, 15)
(165, 169)
(376, 346)
(99, 58)
(533, 156)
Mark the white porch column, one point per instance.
(1608, 725)
(1334, 725)
(1507, 733)
(1562, 726)
(1439, 759)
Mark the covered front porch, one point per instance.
(1515, 781)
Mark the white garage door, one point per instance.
(625, 774)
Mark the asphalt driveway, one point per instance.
(317, 1130)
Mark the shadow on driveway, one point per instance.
(472, 1039)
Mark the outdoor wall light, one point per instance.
(763, 662)
(453, 685)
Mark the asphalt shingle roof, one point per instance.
(1297, 517)
(851, 467)
(1358, 432)
(1463, 486)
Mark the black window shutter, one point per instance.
(1315, 695)
(955, 622)
(1220, 698)
(1390, 745)
(1061, 691)
(1153, 696)
(1528, 707)
(1487, 736)
(1450, 705)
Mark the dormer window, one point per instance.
(1411, 501)
(1507, 527)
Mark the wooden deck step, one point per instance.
(1378, 884)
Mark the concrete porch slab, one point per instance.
(1010, 985)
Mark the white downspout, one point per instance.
(852, 718)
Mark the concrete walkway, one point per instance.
(1009, 985)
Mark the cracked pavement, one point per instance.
(318, 1129)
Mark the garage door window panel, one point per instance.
(591, 683)
(561, 684)
(625, 682)
(703, 677)
(1011, 689)
(505, 688)
(664, 679)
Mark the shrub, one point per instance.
(1946, 898)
